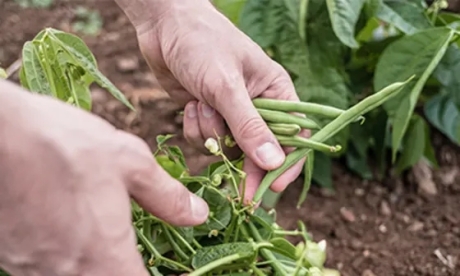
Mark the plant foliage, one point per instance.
(337, 52)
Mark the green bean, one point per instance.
(286, 118)
(300, 142)
(331, 129)
(300, 107)
(284, 129)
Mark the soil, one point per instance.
(371, 228)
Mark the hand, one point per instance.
(66, 178)
(208, 65)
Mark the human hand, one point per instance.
(213, 69)
(66, 178)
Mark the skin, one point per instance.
(67, 176)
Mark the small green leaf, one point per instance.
(315, 256)
(284, 247)
(442, 112)
(174, 170)
(162, 139)
(23, 78)
(33, 70)
(308, 174)
(429, 152)
(208, 254)
(344, 16)
(416, 54)
(82, 55)
(3, 74)
(230, 8)
(413, 144)
(220, 211)
(176, 154)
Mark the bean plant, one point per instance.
(339, 52)
(237, 238)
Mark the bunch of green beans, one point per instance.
(287, 127)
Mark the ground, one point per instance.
(372, 228)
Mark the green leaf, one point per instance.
(356, 156)
(308, 175)
(230, 8)
(175, 153)
(371, 7)
(174, 170)
(409, 17)
(344, 16)
(33, 71)
(417, 54)
(447, 73)
(208, 254)
(220, 211)
(314, 255)
(83, 57)
(284, 247)
(429, 152)
(442, 112)
(413, 144)
(22, 78)
(3, 74)
(263, 20)
(322, 170)
(162, 139)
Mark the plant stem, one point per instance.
(174, 244)
(215, 264)
(258, 271)
(149, 246)
(184, 242)
(265, 252)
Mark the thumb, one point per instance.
(165, 197)
(248, 128)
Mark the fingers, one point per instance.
(192, 131)
(248, 128)
(202, 122)
(160, 194)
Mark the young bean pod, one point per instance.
(300, 142)
(300, 107)
(331, 129)
(286, 118)
(284, 129)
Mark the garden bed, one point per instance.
(371, 228)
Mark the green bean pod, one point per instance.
(300, 107)
(331, 129)
(284, 129)
(286, 118)
(300, 142)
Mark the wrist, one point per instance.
(147, 13)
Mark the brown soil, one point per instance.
(372, 228)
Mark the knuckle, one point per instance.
(250, 128)
(220, 83)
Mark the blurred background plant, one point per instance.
(338, 52)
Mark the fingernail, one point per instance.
(199, 208)
(207, 111)
(191, 111)
(270, 155)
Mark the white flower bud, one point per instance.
(322, 245)
(212, 145)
